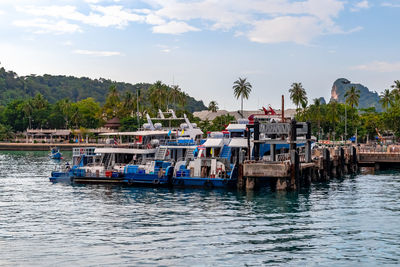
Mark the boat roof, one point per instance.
(214, 142)
(238, 142)
(115, 150)
(138, 133)
(235, 126)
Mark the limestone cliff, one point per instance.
(367, 98)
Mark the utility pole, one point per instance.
(345, 121)
(137, 107)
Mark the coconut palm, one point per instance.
(128, 103)
(298, 95)
(352, 96)
(241, 88)
(174, 94)
(213, 106)
(396, 90)
(158, 94)
(386, 99)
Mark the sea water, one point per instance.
(354, 221)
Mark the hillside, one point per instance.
(367, 98)
(57, 87)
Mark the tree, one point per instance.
(242, 88)
(128, 105)
(352, 96)
(298, 95)
(213, 106)
(396, 90)
(158, 95)
(386, 99)
(112, 105)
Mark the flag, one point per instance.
(115, 141)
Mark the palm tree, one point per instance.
(174, 94)
(386, 99)
(298, 95)
(213, 106)
(158, 94)
(242, 88)
(128, 104)
(396, 90)
(352, 96)
(317, 113)
(333, 113)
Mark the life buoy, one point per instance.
(167, 153)
(81, 151)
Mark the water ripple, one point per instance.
(352, 221)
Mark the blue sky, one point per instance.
(205, 45)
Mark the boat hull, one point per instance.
(203, 182)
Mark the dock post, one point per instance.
(273, 152)
(353, 159)
(295, 169)
(250, 183)
(341, 160)
(240, 182)
(326, 164)
(308, 143)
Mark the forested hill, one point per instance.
(57, 87)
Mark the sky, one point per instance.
(205, 45)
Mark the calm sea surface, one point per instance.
(349, 222)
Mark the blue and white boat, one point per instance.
(216, 162)
(55, 153)
(159, 172)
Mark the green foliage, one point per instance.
(57, 87)
(242, 88)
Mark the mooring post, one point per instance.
(295, 169)
(341, 160)
(240, 182)
(293, 135)
(327, 163)
(250, 183)
(308, 143)
(273, 152)
(354, 159)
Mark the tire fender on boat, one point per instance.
(156, 181)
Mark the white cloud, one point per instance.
(360, 5)
(265, 21)
(379, 66)
(103, 16)
(174, 27)
(388, 4)
(97, 53)
(286, 29)
(41, 26)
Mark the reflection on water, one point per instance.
(347, 222)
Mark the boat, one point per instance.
(159, 172)
(217, 160)
(55, 153)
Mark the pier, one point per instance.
(300, 166)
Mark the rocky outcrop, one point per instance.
(367, 98)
